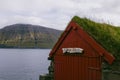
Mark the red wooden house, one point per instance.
(77, 56)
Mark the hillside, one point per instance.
(108, 36)
(27, 36)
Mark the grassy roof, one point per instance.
(106, 35)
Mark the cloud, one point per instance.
(57, 13)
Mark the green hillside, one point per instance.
(106, 35)
(27, 36)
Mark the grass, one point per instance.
(108, 36)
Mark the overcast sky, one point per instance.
(57, 13)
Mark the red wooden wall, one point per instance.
(86, 66)
(83, 66)
(77, 68)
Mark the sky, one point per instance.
(57, 13)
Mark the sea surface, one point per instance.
(23, 64)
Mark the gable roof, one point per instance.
(72, 25)
(108, 36)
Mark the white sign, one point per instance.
(72, 50)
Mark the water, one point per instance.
(23, 64)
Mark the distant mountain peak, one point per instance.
(28, 36)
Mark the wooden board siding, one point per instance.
(77, 68)
(82, 66)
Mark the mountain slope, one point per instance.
(28, 36)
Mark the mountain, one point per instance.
(108, 36)
(28, 36)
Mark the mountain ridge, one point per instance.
(28, 36)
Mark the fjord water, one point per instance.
(23, 64)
